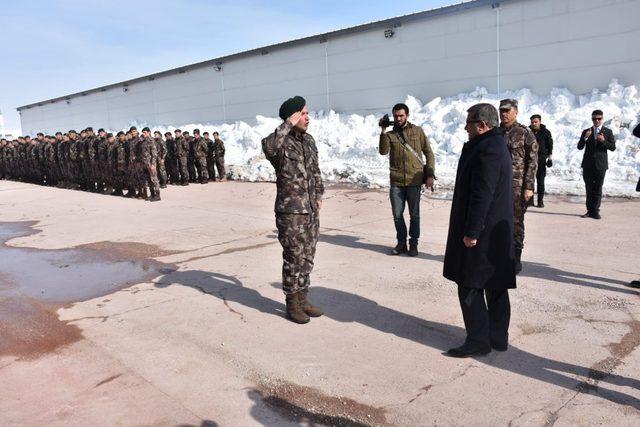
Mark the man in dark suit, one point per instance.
(595, 141)
(636, 133)
(479, 256)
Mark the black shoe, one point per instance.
(499, 347)
(155, 198)
(634, 284)
(413, 250)
(587, 215)
(596, 215)
(467, 350)
(540, 203)
(401, 248)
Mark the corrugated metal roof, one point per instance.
(386, 23)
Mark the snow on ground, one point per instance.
(348, 143)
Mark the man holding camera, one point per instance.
(406, 144)
(595, 141)
(545, 150)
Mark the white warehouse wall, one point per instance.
(578, 44)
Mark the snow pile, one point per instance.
(348, 144)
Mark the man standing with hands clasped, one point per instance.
(294, 156)
(479, 256)
(406, 144)
(595, 141)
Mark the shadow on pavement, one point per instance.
(354, 242)
(531, 269)
(546, 272)
(346, 307)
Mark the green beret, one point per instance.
(290, 106)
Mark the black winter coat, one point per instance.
(482, 208)
(595, 153)
(545, 142)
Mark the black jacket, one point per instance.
(482, 208)
(595, 153)
(545, 142)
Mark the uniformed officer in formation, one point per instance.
(109, 164)
(523, 147)
(294, 156)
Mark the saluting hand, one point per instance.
(294, 118)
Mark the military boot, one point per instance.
(307, 307)
(295, 313)
(540, 201)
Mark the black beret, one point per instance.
(121, 133)
(101, 130)
(109, 135)
(290, 106)
(89, 128)
(146, 129)
(196, 131)
(72, 131)
(178, 130)
(132, 128)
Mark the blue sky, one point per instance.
(52, 48)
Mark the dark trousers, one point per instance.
(410, 196)
(487, 323)
(540, 176)
(593, 180)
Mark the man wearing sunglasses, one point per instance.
(595, 141)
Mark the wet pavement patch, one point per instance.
(34, 283)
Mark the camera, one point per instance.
(385, 122)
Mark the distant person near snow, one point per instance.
(523, 147)
(636, 133)
(595, 141)
(545, 150)
(406, 145)
(294, 156)
(218, 149)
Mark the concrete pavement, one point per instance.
(172, 315)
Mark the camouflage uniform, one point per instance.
(148, 157)
(171, 161)
(218, 147)
(524, 154)
(300, 189)
(191, 159)
(161, 148)
(200, 151)
(211, 159)
(182, 153)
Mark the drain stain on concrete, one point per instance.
(35, 283)
(310, 406)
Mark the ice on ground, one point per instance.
(348, 143)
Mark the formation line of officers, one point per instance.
(495, 181)
(140, 163)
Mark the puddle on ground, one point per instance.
(34, 283)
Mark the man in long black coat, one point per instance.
(595, 141)
(480, 254)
